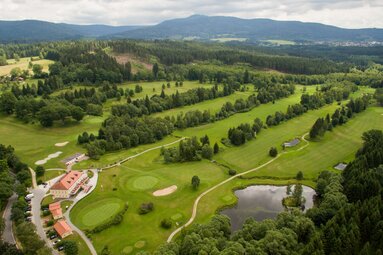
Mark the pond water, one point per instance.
(261, 202)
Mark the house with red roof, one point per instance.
(62, 228)
(56, 211)
(69, 185)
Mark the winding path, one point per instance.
(195, 205)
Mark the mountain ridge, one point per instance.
(198, 27)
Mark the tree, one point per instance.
(77, 113)
(40, 170)
(216, 148)
(155, 70)
(205, 140)
(195, 181)
(37, 70)
(70, 247)
(166, 223)
(273, 152)
(7, 102)
(299, 176)
(378, 95)
(207, 151)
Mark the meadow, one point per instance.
(23, 65)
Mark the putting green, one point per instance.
(140, 244)
(127, 250)
(176, 216)
(143, 182)
(227, 198)
(100, 211)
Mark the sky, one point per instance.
(347, 14)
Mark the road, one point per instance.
(195, 205)
(39, 193)
(8, 231)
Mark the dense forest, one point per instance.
(347, 218)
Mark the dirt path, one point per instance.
(195, 205)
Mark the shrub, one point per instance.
(146, 208)
(273, 152)
(166, 223)
(232, 172)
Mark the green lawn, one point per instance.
(23, 65)
(82, 247)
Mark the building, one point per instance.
(62, 228)
(69, 185)
(73, 159)
(56, 211)
(291, 143)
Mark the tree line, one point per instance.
(339, 117)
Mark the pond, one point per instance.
(261, 202)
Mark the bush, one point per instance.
(166, 223)
(232, 172)
(146, 208)
(50, 223)
(273, 152)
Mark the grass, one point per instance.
(47, 200)
(281, 42)
(135, 180)
(48, 175)
(64, 204)
(82, 247)
(23, 65)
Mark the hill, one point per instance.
(210, 27)
(197, 27)
(35, 30)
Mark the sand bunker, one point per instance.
(50, 156)
(165, 191)
(61, 144)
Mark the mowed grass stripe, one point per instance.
(219, 129)
(336, 146)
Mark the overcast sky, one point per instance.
(349, 14)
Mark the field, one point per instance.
(23, 65)
(134, 181)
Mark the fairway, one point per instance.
(98, 212)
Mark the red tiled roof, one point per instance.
(67, 181)
(55, 209)
(62, 227)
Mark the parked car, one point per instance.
(29, 196)
(60, 248)
(53, 236)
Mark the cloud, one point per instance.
(349, 14)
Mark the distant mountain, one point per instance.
(35, 30)
(197, 27)
(212, 27)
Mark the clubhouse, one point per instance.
(69, 185)
(56, 211)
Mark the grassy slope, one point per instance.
(23, 65)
